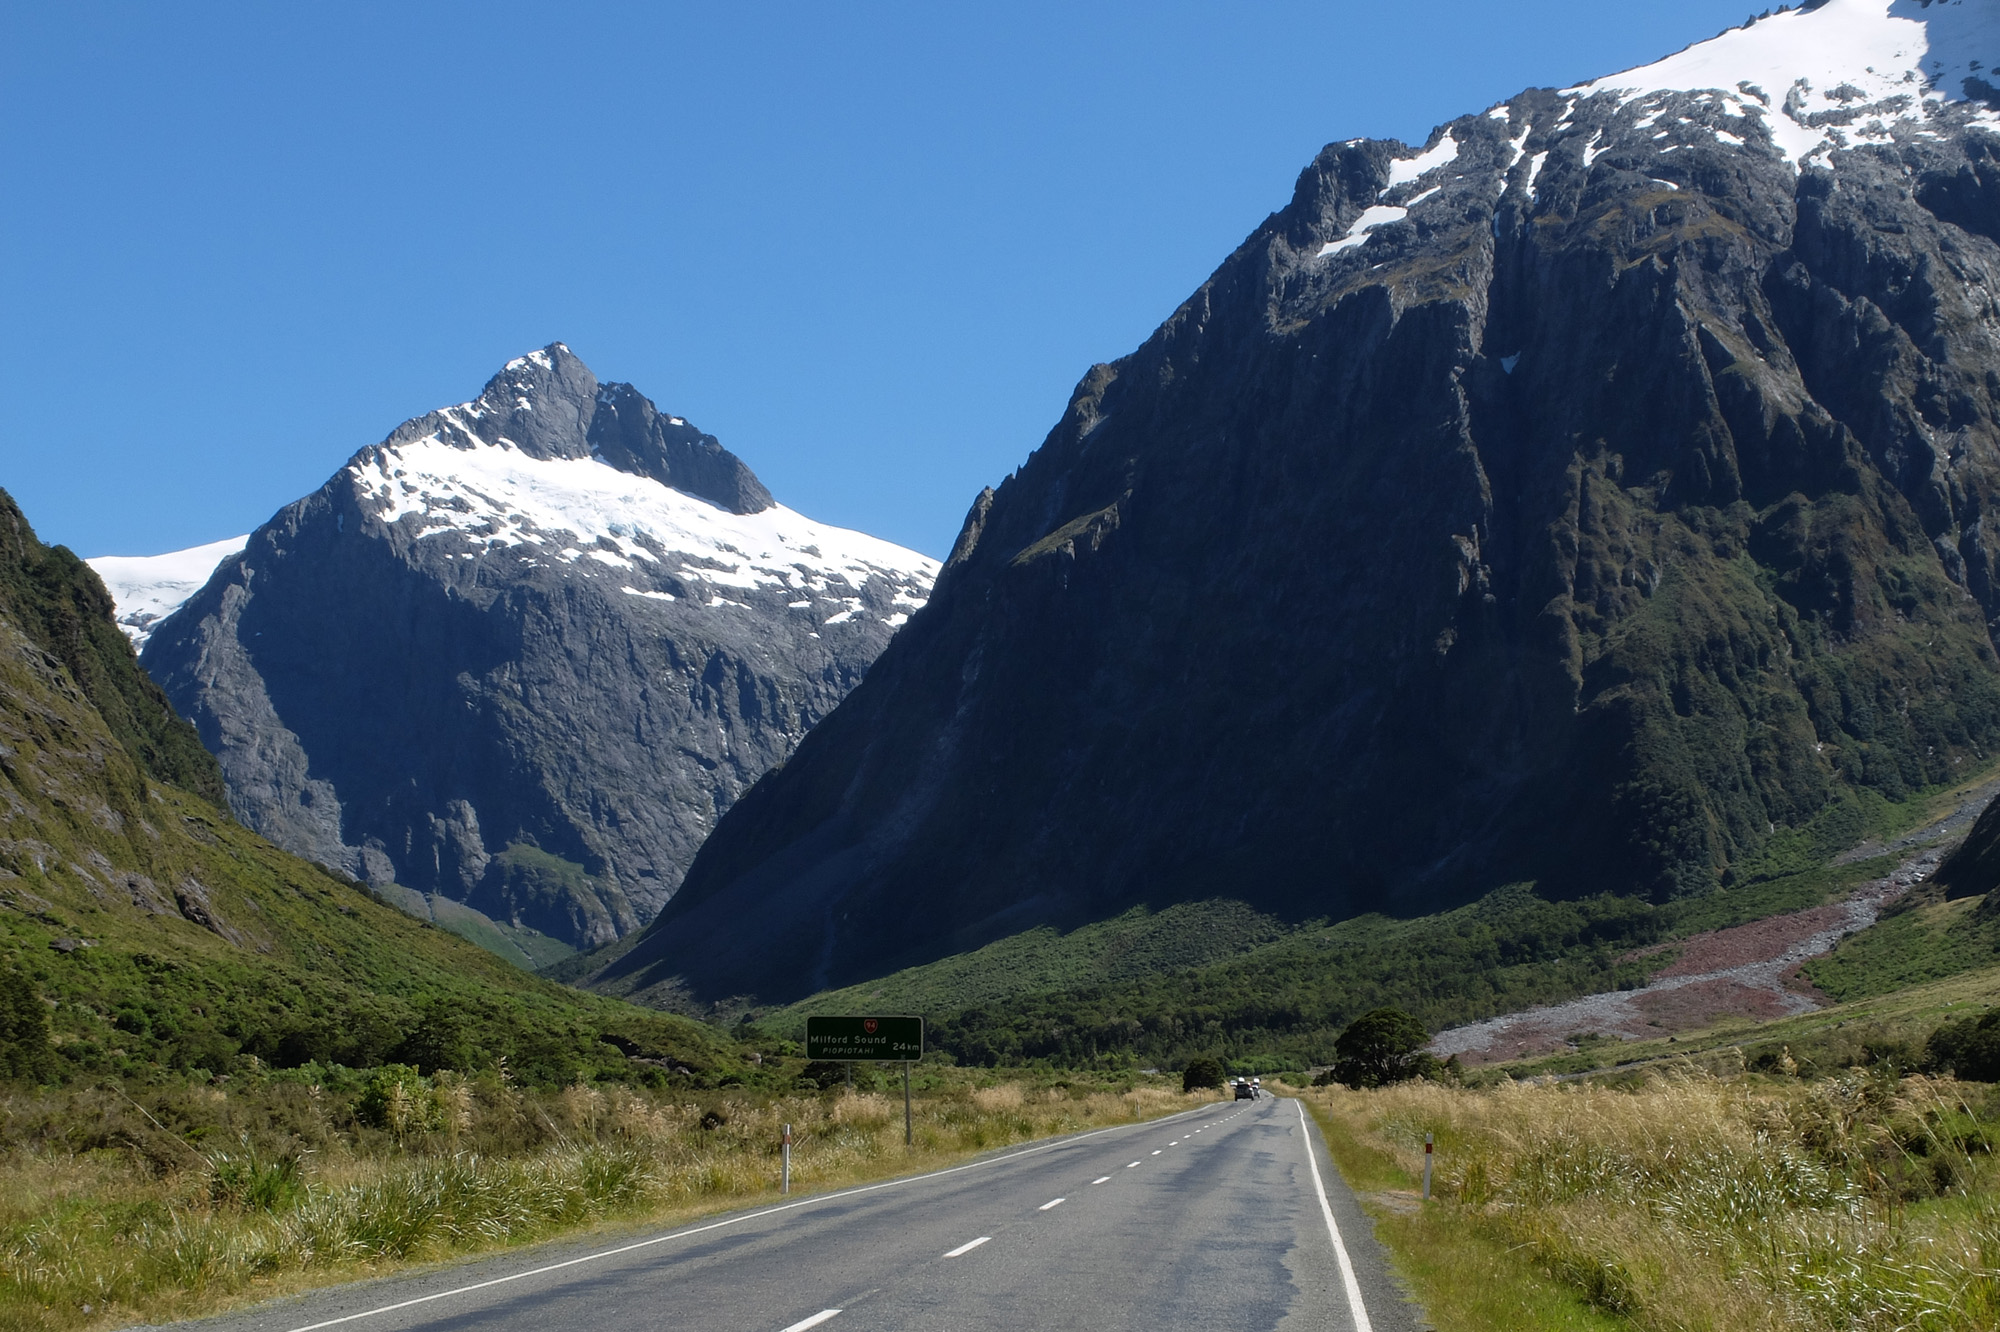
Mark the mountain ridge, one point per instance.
(1580, 497)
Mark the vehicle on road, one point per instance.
(1244, 1091)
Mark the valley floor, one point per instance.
(1750, 971)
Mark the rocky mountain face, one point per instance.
(1587, 496)
(525, 651)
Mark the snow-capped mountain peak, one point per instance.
(1834, 75)
(525, 651)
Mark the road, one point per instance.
(1212, 1218)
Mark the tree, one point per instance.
(1202, 1071)
(1381, 1047)
(1968, 1049)
(25, 1052)
(442, 1039)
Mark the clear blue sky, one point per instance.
(869, 246)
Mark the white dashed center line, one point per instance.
(814, 1321)
(1102, 1179)
(1156, 1153)
(959, 1251)
(1133, 1166)
(1053, 1202)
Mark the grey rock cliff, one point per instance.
(526, 651)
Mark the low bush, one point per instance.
(1202, 1071)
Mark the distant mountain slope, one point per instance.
(1586, 496)
(524, 652)
(167, 935)
(148, 588)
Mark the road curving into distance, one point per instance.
(1231, 1212)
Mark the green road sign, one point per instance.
(865, 1038)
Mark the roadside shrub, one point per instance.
(399, 1099)
(1380, 1047)
(253, 1182)
(1202, 1071)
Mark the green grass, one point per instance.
(529, 949)
(1928, 943)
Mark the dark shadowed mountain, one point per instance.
(525, 651)
(1585, 497)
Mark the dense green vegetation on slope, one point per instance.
(149, 936)
(1279, 1000)
(63, 608)
(1219, 978)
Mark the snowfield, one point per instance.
(499, 498)
(149, 588)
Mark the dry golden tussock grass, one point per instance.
(89, 1240)
(1720, 1204)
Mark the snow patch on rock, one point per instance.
(148, 588)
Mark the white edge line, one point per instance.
(1354, 1304)
(968, 1248)
(718, 1225)
(822, 1316)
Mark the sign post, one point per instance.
(785, 1151)
(847, 1039)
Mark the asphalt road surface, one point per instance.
(1225, 1217)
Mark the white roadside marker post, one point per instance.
(1427, 1167)
(785, 1153)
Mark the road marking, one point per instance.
(1354, 1304)
(1057, 1202)
(814, 1321)
(1102, 1179)
(714, 1225)
(1133, 1166)
(968, 1248)
(1156, 1153)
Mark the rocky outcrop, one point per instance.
(524, 652)
(1580, 497)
